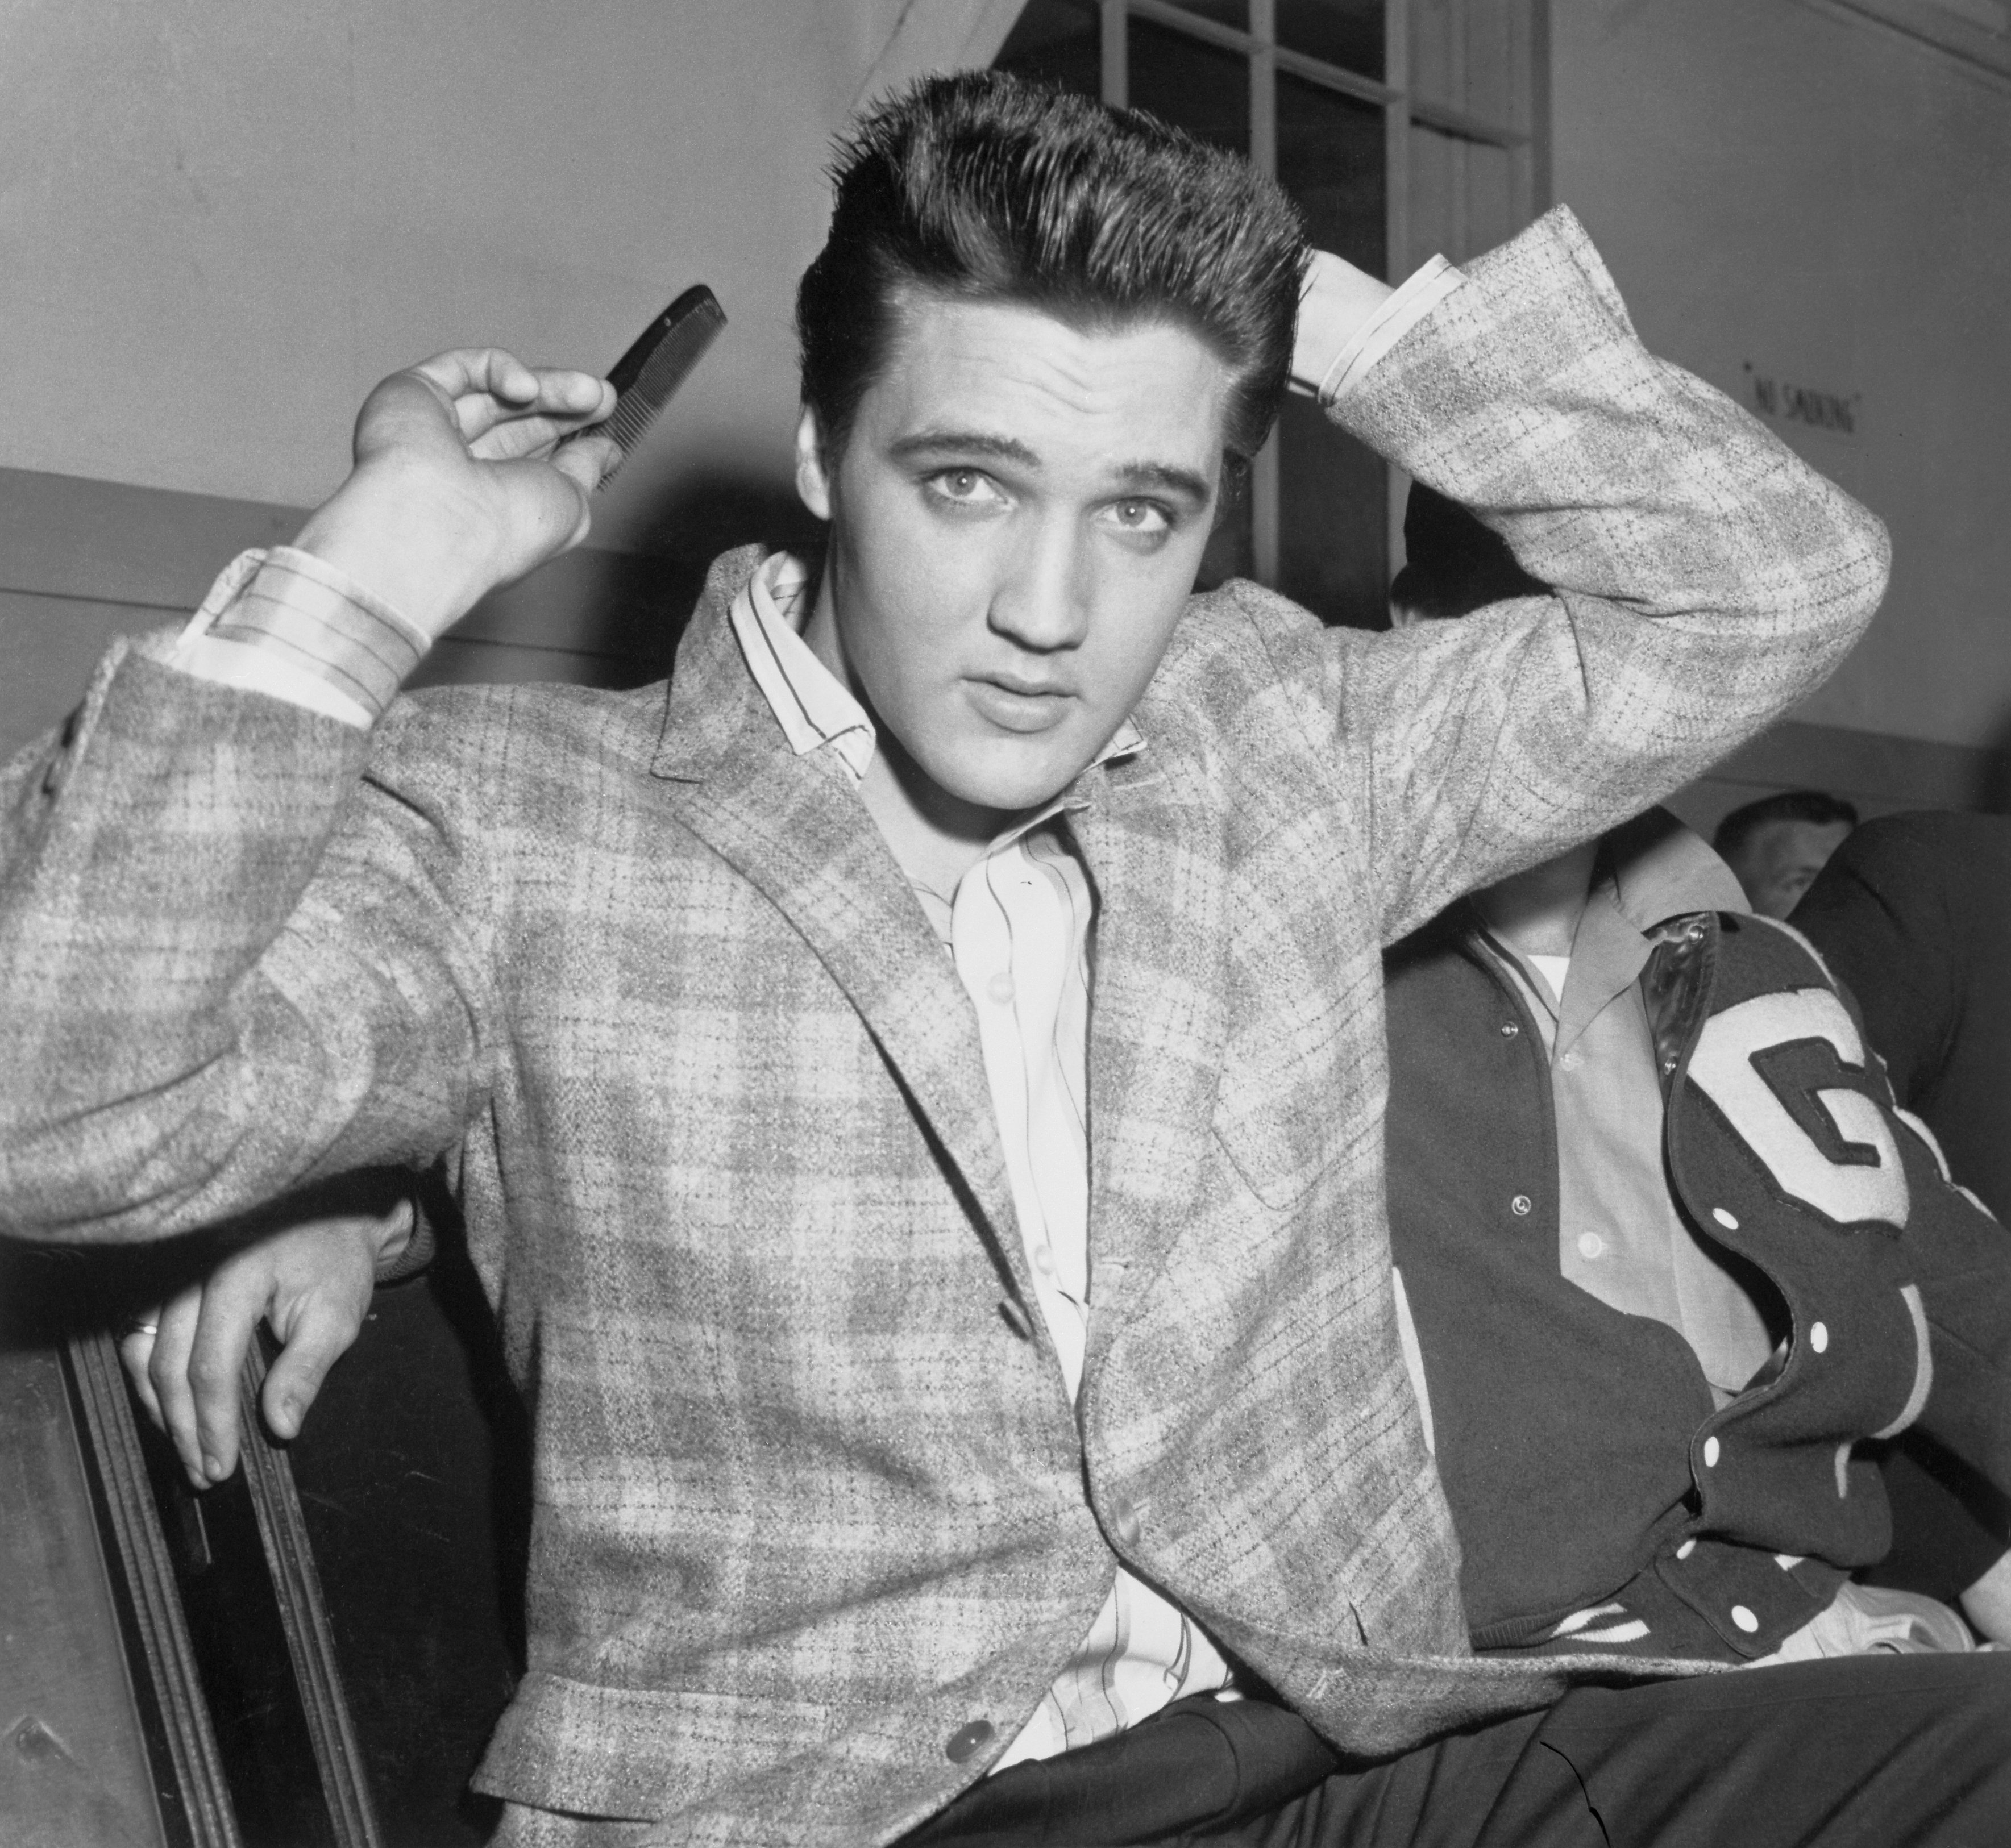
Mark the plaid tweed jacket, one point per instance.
(807, 1504)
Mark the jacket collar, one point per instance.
(794, 827)
(714, 717)
(1661, 870)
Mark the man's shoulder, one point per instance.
(1924, 852)
(487, 738)
(1237, 613)
(1240, 640)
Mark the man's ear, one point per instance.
(813, 483)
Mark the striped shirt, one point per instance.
(1018, 928)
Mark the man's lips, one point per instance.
(1016, 703)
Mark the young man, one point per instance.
(1775, 847)
(1670, 1255)
(943, 1363)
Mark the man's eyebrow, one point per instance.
(963, 443)
(926, 444)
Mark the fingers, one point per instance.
(587, 464)
(453, 402)
(313, 1281)
(478, 372)
(535, 428)
(486, 388)
(170, 1396)
(324, 1273)
(135, 1351)
(574, 401)
(322, 1330)
(231, 1305)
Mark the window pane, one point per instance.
(1332, 525)
(1474, 55)
(1205, 90)
(1058, 42)
(1462, 195)
(1199, 87)
(1331, 160)
(1348, 33)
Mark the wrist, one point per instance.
(1337, 303)
(425, 551)
(318, 627)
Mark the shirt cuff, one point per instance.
(1428, 287)
(415, 1253)
(289, 625)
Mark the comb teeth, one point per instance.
(631, 416)
(650, 370)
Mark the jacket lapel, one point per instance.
(1158, 1020)
(794, 828)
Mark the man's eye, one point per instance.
(1141, 517)
(970, 486)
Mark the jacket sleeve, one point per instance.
(1960, 1264)
(1961, 1261)
(1702, 579)
(231, 964)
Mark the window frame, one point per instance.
(1524, 138)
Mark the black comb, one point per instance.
(650, 370)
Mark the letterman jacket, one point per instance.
(1600, 1498)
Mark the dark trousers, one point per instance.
(1878, 1750)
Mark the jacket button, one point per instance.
(1710, 1453)
(1509, 1029)
(1745, 1618)
(967, 1739)
(1521, 1206)
(1124, 1521)
(1688, 1547)
(1819, 1336)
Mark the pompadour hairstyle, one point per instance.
(984, 186)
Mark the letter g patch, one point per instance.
(1743, 1062)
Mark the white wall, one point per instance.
(220, 223)
(1785, 183)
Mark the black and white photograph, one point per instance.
(1005, 924)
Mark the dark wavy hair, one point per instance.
(984, 186)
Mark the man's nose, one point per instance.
(1042, 601)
